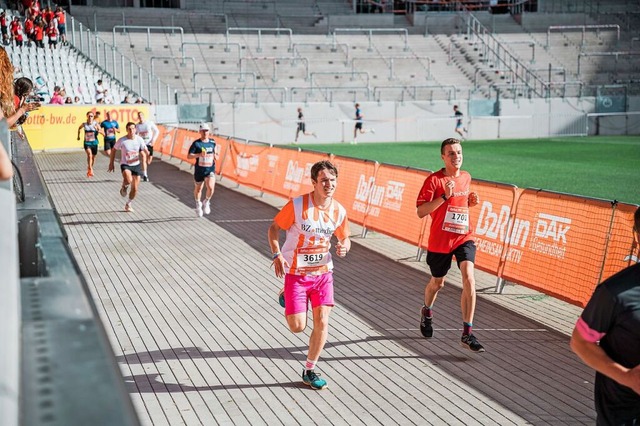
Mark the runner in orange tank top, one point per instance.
(305, 259)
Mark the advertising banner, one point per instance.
(56, 126)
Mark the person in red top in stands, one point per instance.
(446, 196)
(28, 30)
(52, 33)
(17, 31)
(48, 15)
(38, 31)
(61, 17)
(34, 10)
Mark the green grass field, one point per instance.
(600, 167)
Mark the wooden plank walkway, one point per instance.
(190, 305)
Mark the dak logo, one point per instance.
(553, 227)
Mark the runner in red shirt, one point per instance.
(446, 196)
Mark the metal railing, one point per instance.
(369, 31)
(614, 54)
(148, 29)
(275, 60)
(502, 57)
(583, 29)
(390, 62)
(259, 32)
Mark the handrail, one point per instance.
(283, 92)
(275, 60)
(182, 58)
(531, 44)
(451, 87)
(370, 32)
(332, 44)
(204, 43)
(350, 73)
(503, 57)
(77, 38)
(478, 70)
(260, 31)
(391, 63)
(331, 89)
(616, 54)
(583, 28)
(148, 28)
(241, 74)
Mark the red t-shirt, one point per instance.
(450, 223)
(38, 31)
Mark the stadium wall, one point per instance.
(275, 123)
(562, 245)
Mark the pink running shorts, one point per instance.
(298, 289)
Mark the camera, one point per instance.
(33, 99)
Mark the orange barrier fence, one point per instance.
(562, 245)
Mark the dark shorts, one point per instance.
(108, 144)
(440, 263)
(458, 125)
(4, 31)
(62, 29)
(93, 148)
(358, 125)
(135, 170)
(201, 176)
(150, 149)
(301, 127)
(53, 42)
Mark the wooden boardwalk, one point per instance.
(190, 305)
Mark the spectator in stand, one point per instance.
(4, 27)
(38, 31)
(34, 9)
(100, 92)
(52, 33)
(139, 101)
(13, 95)
(28, 30)
(126, 100)
(48, 15)
(16, 31)
(77, 100)
(61, 17)
(57, 97)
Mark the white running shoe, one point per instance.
(373, 131)
(206, 207)
(199, 208)
(128, 208)
(124, 190)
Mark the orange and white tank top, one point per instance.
(309, 230)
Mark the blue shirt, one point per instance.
(205, 164)
(109, 129)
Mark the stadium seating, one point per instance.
(440, 60)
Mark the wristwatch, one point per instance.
(444, 197)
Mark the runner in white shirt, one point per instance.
(149, 132)
(132, 153)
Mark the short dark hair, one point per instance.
(130, 123)
(322, 165)
(449, 141)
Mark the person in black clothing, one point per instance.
(301, 126)
(607, 338)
